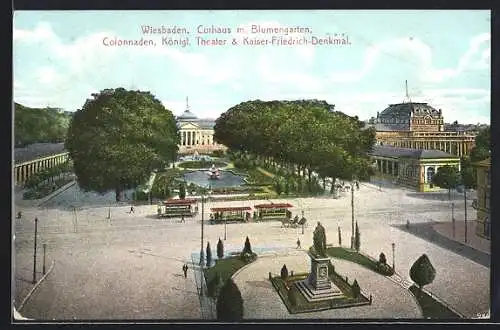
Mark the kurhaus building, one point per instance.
(419, 126)
(196, 133)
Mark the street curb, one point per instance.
(55, 193)
(35, 287)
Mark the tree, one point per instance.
(118, 138)
(482, 148)
(382, 259)
(230, 303)
(447, 177)
(357, 238)
(182, 191)
(247, 248)
(422, 272)
(209, 255)
(284, 272)
(220, 249)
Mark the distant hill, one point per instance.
(39, 125)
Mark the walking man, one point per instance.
(298, 243)
(357, 185)
(182, 218)
(185, 269)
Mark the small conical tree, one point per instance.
(220, 249)
(248, 246)
(229, 303)
(356, 290)
(382, 259)
(340, 236)
(209, 255)
(422, 272)
(284, 272)
(293, 295)
(357, 240)
(182, 191)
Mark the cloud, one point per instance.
(47, 75)
(418, 54)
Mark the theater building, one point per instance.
(412, 168)
(196, 134)
(419, 126)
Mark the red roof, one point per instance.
(273, 206)
(180, 201)
(225, 209)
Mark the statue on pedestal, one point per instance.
(319, 241)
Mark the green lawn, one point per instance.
(353, 256)
(225, 267)
(430, 307)
(201, 164)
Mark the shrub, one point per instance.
(248, 257)
(356, 290)
(209, 255)
(422, 272)
(284, 273)
(220, 249)
(247, 248)
(182, 191)
(141, 196)
(382, 259)
(293, 295)
(230, 303)
(278, 188)
(357, 238)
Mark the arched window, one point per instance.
(430, 174)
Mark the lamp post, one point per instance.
(44, 248)
(34, 252)
(453, 218)
(393, 257)
(465, 215)
(225, 228)
(352, 215)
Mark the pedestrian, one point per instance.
(182, 218)
(132, 209)
(185, 269)
(357, 185)
(298, 243)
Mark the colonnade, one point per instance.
(196, 138)
(25, 170)
(457, 148)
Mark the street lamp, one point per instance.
(34, 252)
(202, 255)
(465, 215)
(352, 213)
(225, 228)
(453, 218)
(393, 257)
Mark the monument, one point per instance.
(318, 286)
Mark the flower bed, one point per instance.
(361, 259)
(196, 164)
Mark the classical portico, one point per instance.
(196, 134)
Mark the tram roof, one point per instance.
(180, 201)
(273, 206)
(226, 209)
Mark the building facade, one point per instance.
(196, 134)
(412, 168)
(483, 227)
(419, 126)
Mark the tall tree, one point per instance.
(447, 177)
(118, 138)
(230, 303)
(357, 238)
(209, 255)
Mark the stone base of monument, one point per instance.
(313, 294)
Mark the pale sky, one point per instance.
(60, 59)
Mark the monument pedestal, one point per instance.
(318, 286)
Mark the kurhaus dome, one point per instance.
(405, 110)
(187, 115)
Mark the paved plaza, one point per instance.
(130, 266)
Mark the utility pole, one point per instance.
(352, 216)
(465, 210)
(44, 248)
(202, 220)
(34, 252)
(453, 218)
(225, 228)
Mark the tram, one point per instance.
(177, 208)
(230, 214)
(273, 211)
